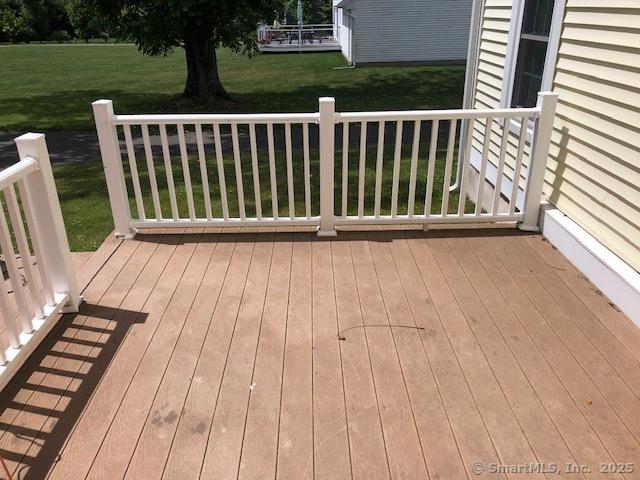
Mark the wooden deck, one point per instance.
(373, 355)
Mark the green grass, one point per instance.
(87, 214)
(47, 87)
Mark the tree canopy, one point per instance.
(199, 26)
(313, 11)
(158, 27)
(37, 20)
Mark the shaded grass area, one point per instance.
(52, 86)
(87, 212)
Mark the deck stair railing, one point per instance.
(225, 170)
(41, 283)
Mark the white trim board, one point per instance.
(513, 45)
(601, 266)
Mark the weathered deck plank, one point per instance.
(190, 441)
(406, 459)
(331, 443)
(225, 438)
(260, 445)
(541, 321)
(368, 454)
(156, 438)
(295, 438)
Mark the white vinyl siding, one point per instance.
(428, 31)
(343, 30)
(594, 163)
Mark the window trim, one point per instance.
(511, 59)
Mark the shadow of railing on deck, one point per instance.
(41, 405)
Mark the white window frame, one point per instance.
(513, 46)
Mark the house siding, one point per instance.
(421, 31)
(593, 172)
(342, 30)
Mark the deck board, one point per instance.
(469, 427)
(330, 442)
(49, 390)
(559, 347)
(367, 446)
(480, 302)
(143, 307)
(190, 441)
(584, 443)
(226, 436)
(295, 436)
(373, 355)
(406, 459)
(260, 445)
(156, 438)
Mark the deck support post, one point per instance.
(45, 221)
(543, 127)
(112, 161)
(327, 158)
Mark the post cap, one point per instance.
(29, 136)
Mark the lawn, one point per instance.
(51, 87)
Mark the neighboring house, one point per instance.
(587, 51)
(409, 31)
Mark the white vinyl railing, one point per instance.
(38, 284)
(182, 153)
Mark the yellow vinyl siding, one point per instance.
(597, 129)
(593, 173)
(493, 49)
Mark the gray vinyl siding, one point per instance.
(420, 31)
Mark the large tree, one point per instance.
(201, 27)
(313, 11)
(82, 16)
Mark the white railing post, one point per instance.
(112, 161)
(327, 154)
(47, 219)
(538, 160)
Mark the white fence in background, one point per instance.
(361, 199)
(30, 301)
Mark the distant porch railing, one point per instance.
(302, 37)
(229, 172)
(39, 284)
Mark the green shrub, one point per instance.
(60, 36)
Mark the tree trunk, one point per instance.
(203, 83)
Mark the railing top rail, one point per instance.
(215, 118)
(313, 117)
(17, 171)
(436, 114)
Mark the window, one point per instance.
(532, 52)
(533, 44)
